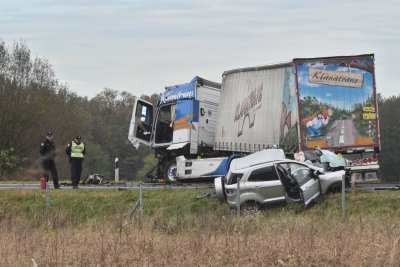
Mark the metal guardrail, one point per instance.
(120, 186)
(127, 186)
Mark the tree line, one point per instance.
(33, 101)
(389, 124)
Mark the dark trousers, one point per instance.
(76, 170)
(50, 167)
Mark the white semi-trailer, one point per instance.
(327, 102)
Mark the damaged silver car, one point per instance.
(267, 177)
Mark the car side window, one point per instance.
(294, 172)
(291, 167)
(294, 166)
(263, 174)
(302, 175)
(234, 178)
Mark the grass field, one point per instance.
(93, 228)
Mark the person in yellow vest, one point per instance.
(76, 152)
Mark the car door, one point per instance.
(263, 185)
(310, 188)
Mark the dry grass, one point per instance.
(306, 243)
(278, 237)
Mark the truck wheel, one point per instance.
(170, 171)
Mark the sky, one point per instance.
(141, 46)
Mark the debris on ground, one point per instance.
(94, 179)
(206, 194)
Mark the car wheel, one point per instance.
(250, 207)
(170, 171)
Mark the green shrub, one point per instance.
(8, 162)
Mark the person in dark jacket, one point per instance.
(76, 152)
(48, 152)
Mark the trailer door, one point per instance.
(141, 123)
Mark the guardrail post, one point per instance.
(343, 197)
(47, 200)
(238, 196)
(141, 203)
(138, 204)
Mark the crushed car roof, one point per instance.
(265, 156)
(259, 157)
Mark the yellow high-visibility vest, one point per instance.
(77, 150)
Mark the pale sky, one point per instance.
(143, 46)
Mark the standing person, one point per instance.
(76, 151)
(48, 152)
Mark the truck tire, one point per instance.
(170, 171)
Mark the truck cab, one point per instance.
(182, 123)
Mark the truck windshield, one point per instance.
(164, 125)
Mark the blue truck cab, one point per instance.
(182, 124)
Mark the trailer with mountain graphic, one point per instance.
(338, 109)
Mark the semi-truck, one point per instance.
(324, 102)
